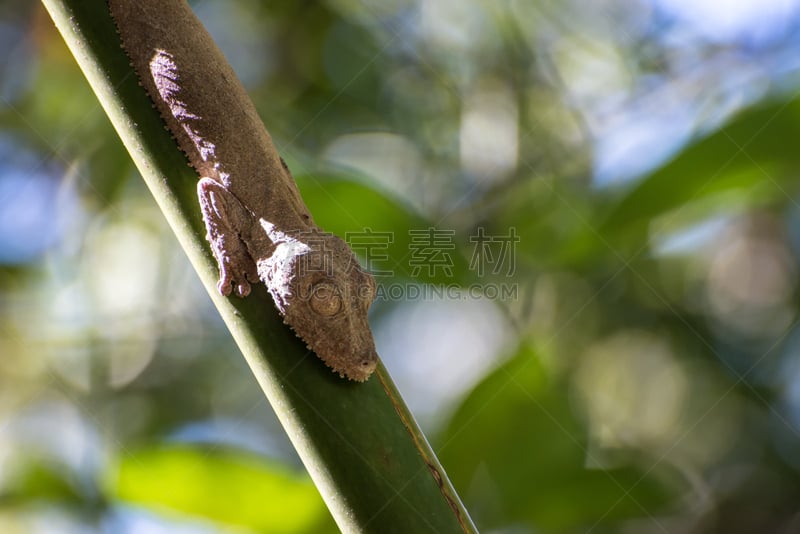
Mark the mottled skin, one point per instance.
(258, 225)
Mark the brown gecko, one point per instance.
(257, 223)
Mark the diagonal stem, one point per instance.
(359, 442)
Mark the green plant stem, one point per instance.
(359, 442)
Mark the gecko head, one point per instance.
(324, 295)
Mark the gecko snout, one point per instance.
(364, 368)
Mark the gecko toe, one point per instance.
(243, 289)
(224, 287)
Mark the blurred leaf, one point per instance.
(76, 124)
(750, 159)
(746, 162)
(225, 486)
(518, 454)
(42, 480)
(343, 206)
(352, 64)
(553, 219)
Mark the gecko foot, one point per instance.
(225, 286)
(235, 277)
(225, 217)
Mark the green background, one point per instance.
(640, 373)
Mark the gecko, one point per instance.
(257, 224)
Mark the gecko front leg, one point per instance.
(227, 220)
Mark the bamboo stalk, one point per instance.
(360, 444)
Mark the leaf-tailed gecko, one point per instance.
(257, 223)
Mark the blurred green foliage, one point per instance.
(642, 376)
(226, 487)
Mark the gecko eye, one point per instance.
(325, 300)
